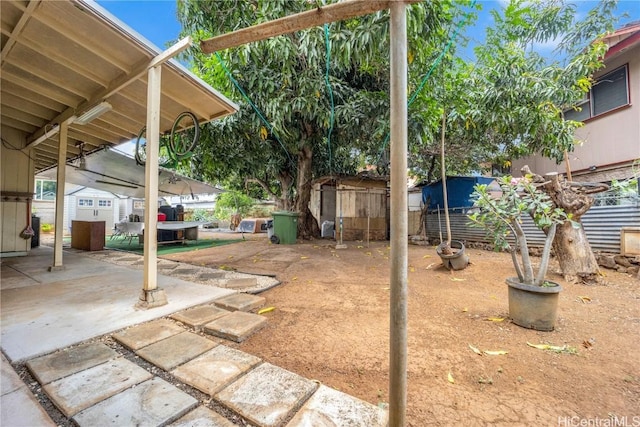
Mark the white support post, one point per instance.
(60, 179)
(151, 296)
(399, 218)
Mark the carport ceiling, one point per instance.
(61, 58)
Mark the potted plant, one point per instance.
(451, 252)
(533, 300)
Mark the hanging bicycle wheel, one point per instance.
(141, 147)
(165, 159)
(184, 134)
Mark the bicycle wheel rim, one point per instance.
(141, 152)
(179, 142)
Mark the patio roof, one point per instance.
(62, 58)
(115, 172)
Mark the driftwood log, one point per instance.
(570, 245)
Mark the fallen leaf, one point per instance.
(304, 257)
(539, 346)
(368, 253)
(495, 352)
(386, 289)
(475, 350)
(230, 256)
(495, 319)
(294, 278)
(266, 310)
(456, 279)
(450, 378)
(429, 266)
(584, 299)
(426, 256)
(548, 347)
(464, 310)
(412, 270)
(359, 246)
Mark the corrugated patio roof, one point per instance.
(61, 58)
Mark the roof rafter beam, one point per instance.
(115, 86)
(31, 7)
(299, 21)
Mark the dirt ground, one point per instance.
(331, 323)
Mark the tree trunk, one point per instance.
(571, 246)
(572, 249)
(307, 224)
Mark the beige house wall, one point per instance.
(16, 185)
(605, 141)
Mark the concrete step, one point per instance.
(240, 302)
(236, 326)
(199, 316)
(176, 350)
(215, 369)
(152, 403)
(267, 395)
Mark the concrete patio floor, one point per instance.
(43, 311)
(49, 319)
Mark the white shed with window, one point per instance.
(88, 204)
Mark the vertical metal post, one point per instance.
(60, 179)
(150, 295)
(399, 218)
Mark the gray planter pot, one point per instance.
(533, 307)
(456, 261)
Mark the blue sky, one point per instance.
(156, 20)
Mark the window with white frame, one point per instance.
(609, 92)
(104, 203)
(45, 189)
(85, 203)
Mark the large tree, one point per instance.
(517, 96)
(287, 132)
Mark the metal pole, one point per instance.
(399, 218)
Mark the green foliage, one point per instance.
(201, 215)
(232, 202)
(284, 77)
(500, 216)
(515, 97)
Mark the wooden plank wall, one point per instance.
(17, 175)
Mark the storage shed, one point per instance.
(359, 203)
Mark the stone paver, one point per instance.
(267, 395)
(241, 283)
(152, 403)
(69, 361)
(76, 392)
(18, 407)
(202, 417)
(207, 275)
(147, 333)
(215, 369)
(9, 380)
(329, 407)
(175, 350)
(240, 302)
(199, 316)
(236, 326)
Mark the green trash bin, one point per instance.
(285, 227)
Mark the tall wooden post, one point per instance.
(151, 296)
(60, 179)
(399, 218)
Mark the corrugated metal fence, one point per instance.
(601, 223)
